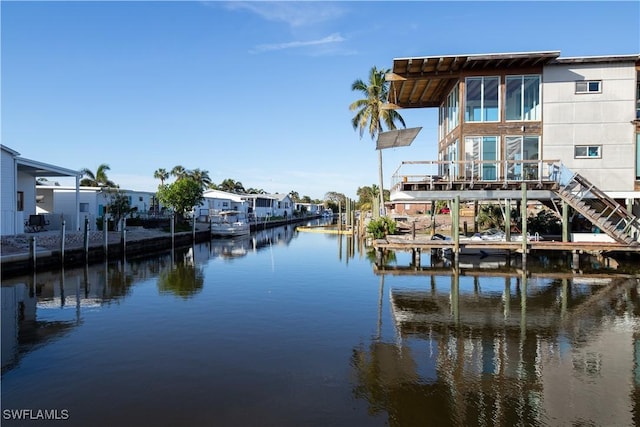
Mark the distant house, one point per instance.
(58, 203)
(259, 206)
(309, 208)
(283, 206)
(18, 190)
(216, 201)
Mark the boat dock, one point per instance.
(418, 244)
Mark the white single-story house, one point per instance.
(283, 206)
(262, 206)
(57, 202)
(259, 206)
(310, 208)
(18, 190)
(216, 201)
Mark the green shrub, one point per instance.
(382, 226)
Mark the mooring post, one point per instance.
(193, 232)
(475, 216)
(172, 226)
(507, 220)
(123, 236)
(575, 261)
(32, 252)
(63, 230)
(455, 225)
(524, 218)
(86, 238)
(565, 221)
(105, 235)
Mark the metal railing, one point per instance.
(472, 171)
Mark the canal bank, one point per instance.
(44, 250)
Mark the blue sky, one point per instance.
(253, 91)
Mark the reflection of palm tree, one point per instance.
(183, 280)
(371, 112)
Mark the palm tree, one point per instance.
(179, 172)
(232, 186)
(161, 174)
(371, 112)
(201, 177)
(99, 179)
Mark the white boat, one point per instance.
(327, 213)
(229, 224)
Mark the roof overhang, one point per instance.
(426, 81)
(37, 169)
(396, 138)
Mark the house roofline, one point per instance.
(45, 169)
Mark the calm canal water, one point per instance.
(300, 329)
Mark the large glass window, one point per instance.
(522, 148)
(483, 152)
(638, 156)
(481, 101)
(523, 98)
(452, 109)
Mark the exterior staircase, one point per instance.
(603, 211)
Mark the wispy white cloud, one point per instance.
(295, 14)
(330, 39)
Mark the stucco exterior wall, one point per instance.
(604, 119)
(8, 212)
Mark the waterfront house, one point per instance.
(216, 201)
(525, 117)
(57, 202)
(309, 208)
(18, 191)
(283, 205)
(259, 206)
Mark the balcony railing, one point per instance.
(478, 171)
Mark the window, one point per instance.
(481, 101)
(589, 86)
(588, 152)
(452, 110)
(140, 199)
(638, 156)
(20, 201)
(481, 153)
(84, 207)
(523, 98)
(522, 148)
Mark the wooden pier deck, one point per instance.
(421, 243)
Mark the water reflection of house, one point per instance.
(39, 309)
(560, 355)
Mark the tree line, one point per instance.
(186, 191)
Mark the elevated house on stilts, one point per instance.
(528, 126)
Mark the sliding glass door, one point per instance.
(520, 148)
(483, 151)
